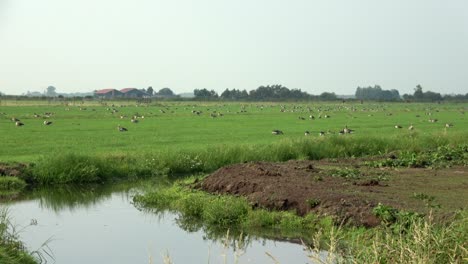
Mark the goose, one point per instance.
(321, 133)
(307, 133)
(411, 127)
(47, 122)
(347, 130)
(133, 120)
(277, 132)
(14, 119)
(121, 129)
(397, 126)
(18, 123)
(449, 125)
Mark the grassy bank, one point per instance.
(403, 237)
(84, 168)
(10, 186)
(227, 212)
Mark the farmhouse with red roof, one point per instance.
(107, 93)
(124, 93)
(133, 93)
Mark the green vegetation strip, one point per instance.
(85, 168)
(403, 237)
(227, 211)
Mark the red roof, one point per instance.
(104, 91)
(127, 90)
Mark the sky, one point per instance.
(317, 46)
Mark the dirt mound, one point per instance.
(12, 169)
(297, 185)
(314, 186)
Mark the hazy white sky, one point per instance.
(83, 45)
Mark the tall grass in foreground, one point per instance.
(83, 168)
(12, 250)
(422, 241)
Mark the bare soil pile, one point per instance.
(312, 186)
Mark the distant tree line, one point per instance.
(275, 92)
(377, 93)
(421, 96)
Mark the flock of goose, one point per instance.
(319, 114)
(18, 122)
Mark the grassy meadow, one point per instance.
(172, 127)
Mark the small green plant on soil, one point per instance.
(429, 200)
(318, 178)
(312, 202)
(398, 221)
(442, 156)
(346, 173)
(382, 176)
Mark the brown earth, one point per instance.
(12, 169)
(314, 186)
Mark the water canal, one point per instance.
(100, 224)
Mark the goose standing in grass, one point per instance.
(321, 133)
(18, 123)
(47, 122)
(346, 130)
(121, 129)
(14, 119)
(411, 127)
(134, 120)
(277, 132)
(307, 133)
(448, 125)
(398, 126)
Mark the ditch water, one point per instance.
(101, 225)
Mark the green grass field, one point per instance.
(94, 131)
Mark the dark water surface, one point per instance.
(101, 225)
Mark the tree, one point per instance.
(150, 91)
(166, 92)
(328, 96)
(418, 92)
(377, 93)
(51, 91)
(205, 94)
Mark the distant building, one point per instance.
(133, 93)
(108, 93)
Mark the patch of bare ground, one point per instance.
(345, 189)
(14, 170)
